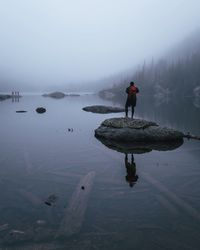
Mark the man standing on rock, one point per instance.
(131, 91)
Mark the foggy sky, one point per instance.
(54, 42)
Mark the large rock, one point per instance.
(100, 109)
(136, 130)
(56, 95)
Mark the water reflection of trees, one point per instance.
(179, 113)
(196, 102)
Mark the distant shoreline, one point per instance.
(42, 93)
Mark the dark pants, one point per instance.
(132, 109)
(128, 104)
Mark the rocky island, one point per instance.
(136, 130)
(58, 95)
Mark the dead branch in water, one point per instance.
(190, 136)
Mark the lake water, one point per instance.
(55, 158)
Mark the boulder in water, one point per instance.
(40, 110)
(100, 109)
(136, 130)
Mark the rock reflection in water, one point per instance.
(137, 148)
(140, 147)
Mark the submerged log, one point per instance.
(193, 212)
(167, 204)
(30, 197)
(74, 214)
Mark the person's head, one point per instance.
(131, 83)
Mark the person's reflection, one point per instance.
(131, 176)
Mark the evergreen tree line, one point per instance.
(176, 78)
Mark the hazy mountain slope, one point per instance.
(178, 74)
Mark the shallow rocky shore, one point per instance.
(136, 130)
(4, 97)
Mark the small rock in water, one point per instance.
(83, 187)
(51, 199)
(21, 111)
(100, 109)
(40, 110)
(47, 203)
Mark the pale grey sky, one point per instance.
(49, 42)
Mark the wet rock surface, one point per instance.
(127, 123)
(100, 109)
(136, 130)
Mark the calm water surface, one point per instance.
(93, 206)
